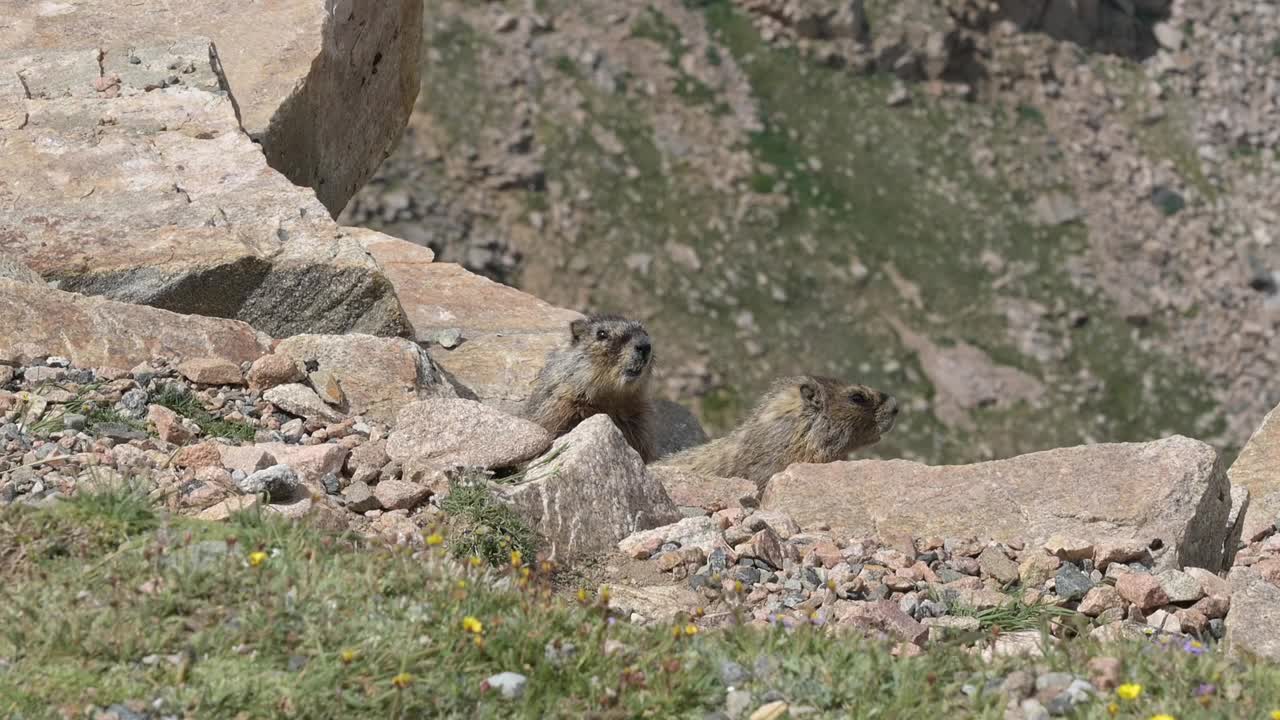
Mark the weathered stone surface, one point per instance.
(1071, 549)
(298, 399)
(675, 429)
(400, 495)
(655, 603)
(377, 376)
(1036, 568)
(1254, 616)
(702, 491)
(887, 617)
(505, 334)
(998, 565)
(269, 371)
(211, 371)
(1257, 468)
(463, 432)
(325, 87)
(590, 491)
(1172, 490)
(1180, 587)
(185, 214)
(1118, 552)
(700, 532)
(280, 482)
(1241, 500)
(1142, 590)
(1211, 583)
(764, 545)
(359, 498)
(311, 462)
(168, 424)
(1099, 599)
(11, 268)
(248, 459)
(36, 322)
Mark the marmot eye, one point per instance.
(602, 334)
(858, 398)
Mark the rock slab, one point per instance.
(589, 492)
(1258, 469)
(1254, 616)
(1171, 495)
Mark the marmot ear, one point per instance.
(577, 328)
(811, 394)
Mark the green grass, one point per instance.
(186, 404)
(480, 526)
(106, 601)
(95, 413)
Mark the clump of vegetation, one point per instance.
(183, 402)
(482, 526)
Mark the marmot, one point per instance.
(605, 369)
(803, 419)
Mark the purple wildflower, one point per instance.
(1206, 689)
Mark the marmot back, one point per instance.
(804, 419)
(605, 369)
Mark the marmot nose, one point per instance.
(893, 404)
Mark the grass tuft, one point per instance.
(481, 526)
(187, 405)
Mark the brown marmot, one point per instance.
(803, 419)
(606, 369)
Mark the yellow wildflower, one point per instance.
(349, 656)
(462, 584)
(402, 681)
(257, 558)
(524, 572)
(1112, 708)
(472, 625)
(435, 539)
(604, 593)
(690, 629)
(582, 595)
(738, 587)
(1162, 716)
(1129, 691)
(1275, 715)
(475, 561)
(516, 557)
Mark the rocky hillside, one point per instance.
(1037, 223)
(213, 395)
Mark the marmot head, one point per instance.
(620, 349)
(848, 416)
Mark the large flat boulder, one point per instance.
(1170, 495)
(372, 376)
(447, 432)
(325, 87)
(589, 492)
(489, 338)
(1258, 469)
(152, 194)
(1254, 616)
(37, 322)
